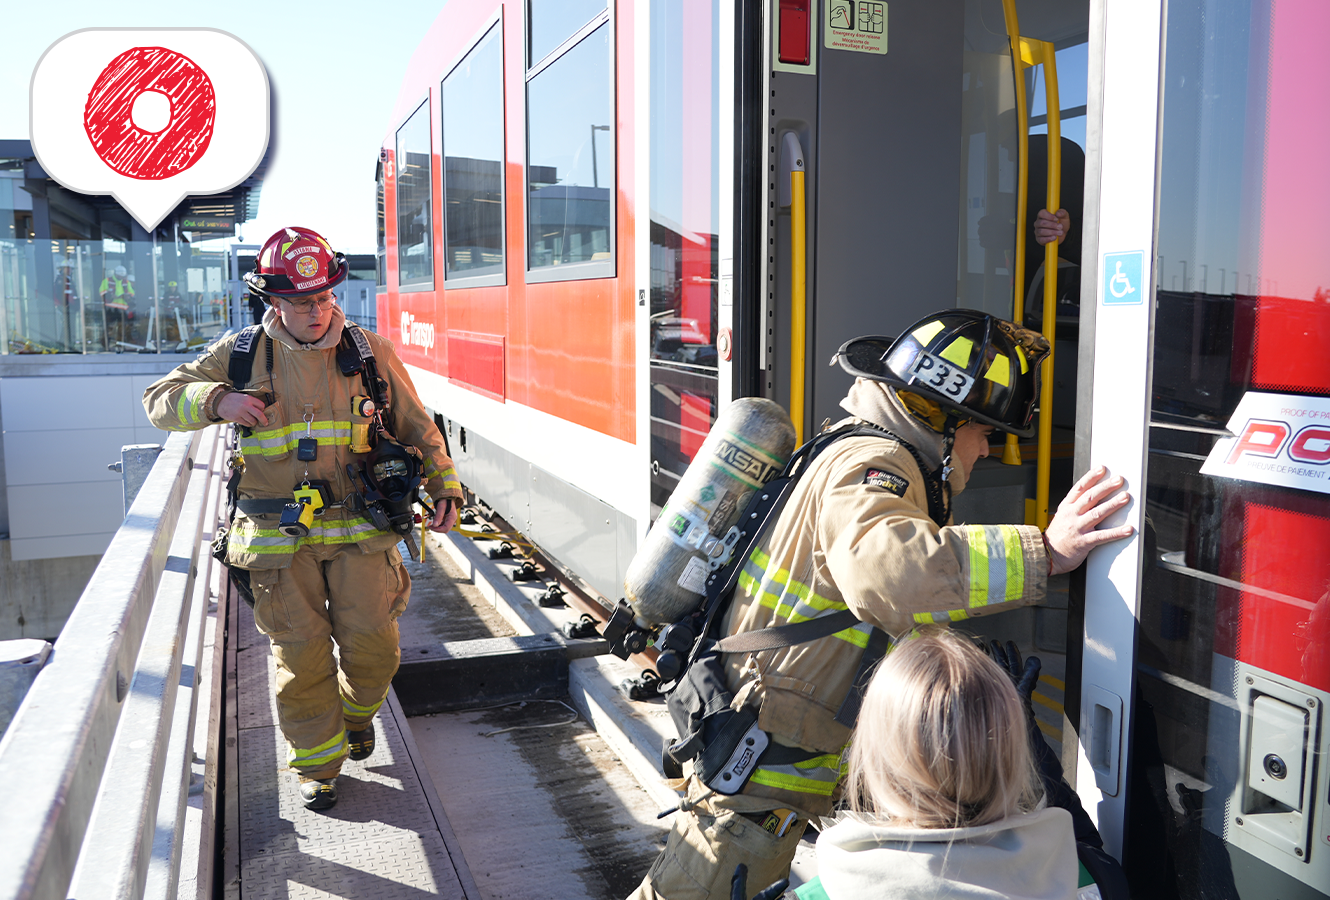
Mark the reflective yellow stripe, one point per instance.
(189, 408)
(275, 441)
(818, 775)
(978, 544)
(359, 711)
(756, 581)
(324, 753)
(271, 541)
(1015, 562)
(940, 618)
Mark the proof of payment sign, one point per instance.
(1124, 278)
(149, 115)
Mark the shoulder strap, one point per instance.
(242, 356)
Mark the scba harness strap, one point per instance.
(712, 733)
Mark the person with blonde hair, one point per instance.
(944, 796)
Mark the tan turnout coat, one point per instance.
(856, 534)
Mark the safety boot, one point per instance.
(318, 793)
(360, 744)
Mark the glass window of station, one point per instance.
(570, 140)
(415, 255)
(685, 224)
(96, 282)
(473, 165)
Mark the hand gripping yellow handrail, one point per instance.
(1026, 53)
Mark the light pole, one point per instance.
(595, 166)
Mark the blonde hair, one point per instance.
(941, 740)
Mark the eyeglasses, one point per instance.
(306, 304)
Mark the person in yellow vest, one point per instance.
(342, 580)
(117, 291)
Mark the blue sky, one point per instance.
(335, 68)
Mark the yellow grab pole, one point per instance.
(798, 283)
(1011, 453)
(799, 303)
(1050, 287)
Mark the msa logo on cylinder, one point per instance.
(419, 334)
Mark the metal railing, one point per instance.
(95, 768)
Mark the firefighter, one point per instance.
(343, 581)
(868, 528)
(117, 291)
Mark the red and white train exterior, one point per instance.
(586, 251)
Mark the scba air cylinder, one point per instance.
(747, 446)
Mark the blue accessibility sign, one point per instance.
(1123, 278)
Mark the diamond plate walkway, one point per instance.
(387, 837)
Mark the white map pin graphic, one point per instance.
(149, 115)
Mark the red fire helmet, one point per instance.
(295, 262)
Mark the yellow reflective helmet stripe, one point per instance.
(958, 352)
(924, 333)
(999, 371)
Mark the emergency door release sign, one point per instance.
(1280, 439)
(149, 115)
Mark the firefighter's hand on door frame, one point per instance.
(1075, 531)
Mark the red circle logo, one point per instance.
(307, 265)
(134, 151)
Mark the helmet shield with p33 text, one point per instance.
(979, 366)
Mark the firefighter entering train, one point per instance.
(867, 528)
(327, 570)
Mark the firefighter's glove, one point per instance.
(1024, 676)
(739, 886)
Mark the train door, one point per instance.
(1207, 641)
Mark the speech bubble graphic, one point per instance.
(134, 140)
(149, 115)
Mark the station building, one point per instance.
(94, 309)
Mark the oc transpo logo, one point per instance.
(1277, 439)
(149, 115)
(420, 334)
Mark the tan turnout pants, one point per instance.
(330, 593)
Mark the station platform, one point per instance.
(554, 796)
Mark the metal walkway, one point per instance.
(388, 836)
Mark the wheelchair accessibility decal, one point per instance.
(1123, 278)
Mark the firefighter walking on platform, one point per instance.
(868, 528)
(310, 522)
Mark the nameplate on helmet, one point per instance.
(888, 480)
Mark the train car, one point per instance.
(601, 221)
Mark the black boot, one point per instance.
(361, 743)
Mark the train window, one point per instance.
(381, 230)
(473, 165)
(415, 259)
(571, 161)
(989, 163)
(685, 230)
(551, 22)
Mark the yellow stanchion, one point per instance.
(798, 302)
(1027, 53)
